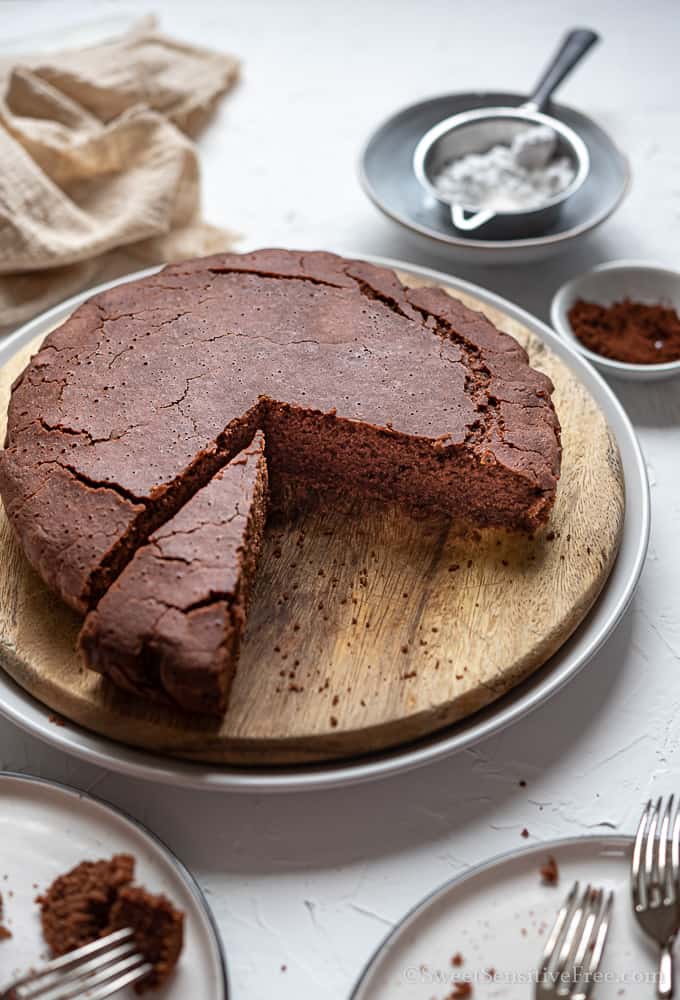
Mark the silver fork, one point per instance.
(654, 877)
(574, 949)
(93, 972)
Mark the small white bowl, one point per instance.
(608, 283)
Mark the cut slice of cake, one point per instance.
(96, 898)
(170, 626)
(158, 929)
(75, 909)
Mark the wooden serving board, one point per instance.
(365, 631)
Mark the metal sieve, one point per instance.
(479, 130)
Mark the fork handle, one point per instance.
(665, 986)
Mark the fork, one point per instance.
(574, 949)
(93, 972)
(654, 874)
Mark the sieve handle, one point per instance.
(463, 219)
(573, 48)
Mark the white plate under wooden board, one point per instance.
(590, 635)
(45, 830)
(495, 919)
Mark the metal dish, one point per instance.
(387, 176)
(611, 282)
(31, 715)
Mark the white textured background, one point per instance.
(314, 881)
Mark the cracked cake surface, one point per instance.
(149, 388)
(130, 414)
(170, 625)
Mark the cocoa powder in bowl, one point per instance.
(630, 331)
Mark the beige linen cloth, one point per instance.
(98, 173)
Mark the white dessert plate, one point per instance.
(45, 830)
(22, 709)
(496, 918)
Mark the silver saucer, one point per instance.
(386, 173)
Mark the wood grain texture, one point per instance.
(367, 629)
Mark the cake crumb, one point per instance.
(5, 932)
(550, 874)
(461, 990)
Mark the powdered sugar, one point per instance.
(524, 175)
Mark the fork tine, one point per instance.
(591, 914)
(127, 979)
(103, 977)
(651, 858)
(574, 934)
(556, 936)
(675, 853)
(636, 874)
(598, 941)
(73, 957)
(46, 983)
(665, 874)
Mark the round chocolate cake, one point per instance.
(154, 388)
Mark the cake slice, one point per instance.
(158, 929)
(170, 626)
(75, 909)
(96, 898)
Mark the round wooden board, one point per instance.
(364, 631)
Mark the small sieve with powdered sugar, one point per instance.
(524, 175)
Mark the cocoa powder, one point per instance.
(629, 331)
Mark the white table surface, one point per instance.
(314, 881)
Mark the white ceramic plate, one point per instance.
(31, 715)
(45, 830)
(497, 917)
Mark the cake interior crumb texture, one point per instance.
(98, 897)
(352, 381)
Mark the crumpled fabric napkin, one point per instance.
(98, 172)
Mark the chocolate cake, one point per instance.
(96, 898)
(152, 387)
(158, 931)
(75, 909)
(171, 623)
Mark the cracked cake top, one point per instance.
(146, 384)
